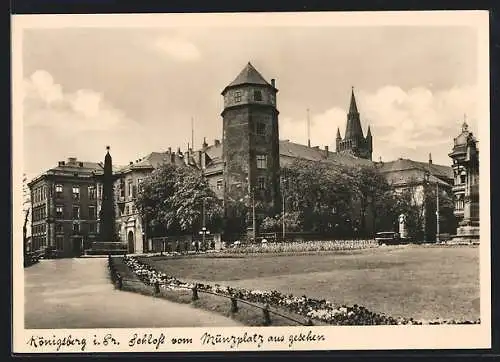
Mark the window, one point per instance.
(76, 227)
(219, 184)
(261, 161)
(257, 95)
(237, 96)
(261, 183)
(127, 210)
(59, 212)
(260, 128)
(139, 184)
(130, 189)
(92, 227)
(59, 242)
(59, 228)
(122, 188)
(76, 212)
(99, 191)
(76, 192)
(92, 212)
(462, 178)
(92, 193)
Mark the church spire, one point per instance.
(353, 128)
(338, 133)
(353, 108)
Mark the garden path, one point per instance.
(77, 293)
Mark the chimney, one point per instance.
(170, 150)
(204, 145)
(273, 83)
(326, 151)
(71, 160)
(61, 163)
(131, 163)
(179, 151)
(80, 164)
(430, 159)
(216, 142)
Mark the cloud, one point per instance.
(59, 124)
(47, 106)
(402, 122)
(177, 48)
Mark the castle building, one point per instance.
(465, 156)
(354, 142)
(243, 168)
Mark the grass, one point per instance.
(413, 281)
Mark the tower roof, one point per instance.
(249, 75)
(353, 108)
(353, 127)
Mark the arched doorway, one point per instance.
(130, 238)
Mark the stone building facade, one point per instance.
(465, 156)
(251, 142)
(65, 202)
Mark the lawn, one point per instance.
(413, 281)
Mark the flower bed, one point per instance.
(314, 309)
(303, 246)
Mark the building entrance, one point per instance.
(130, 238)
(77, 247)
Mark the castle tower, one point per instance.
(251, 144)
(465, 156)
(354, 141)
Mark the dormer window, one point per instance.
(237, 96)
(257, 95)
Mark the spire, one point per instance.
(353, 128)
(353, 108)
(430, 158)
(369, 133)
(338, 133)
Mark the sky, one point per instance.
(137, 89)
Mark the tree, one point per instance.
(178, 200)
(417, 202)
(337, 200)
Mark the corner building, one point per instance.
(251, 142)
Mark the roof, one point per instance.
(353, 127)
(249, 75)
(70, 167)
(406, 177)
(152, 161)
(295, 150)
(404, 170)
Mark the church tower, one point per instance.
(251, 144)
(354, 141)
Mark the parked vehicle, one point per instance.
(388, 238)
